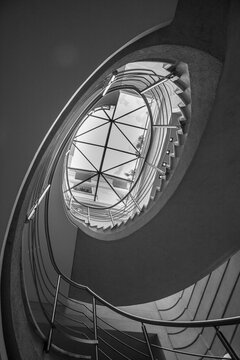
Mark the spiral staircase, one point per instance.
(173, 235)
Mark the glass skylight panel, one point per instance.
(114, 162)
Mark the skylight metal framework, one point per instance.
(120, 152)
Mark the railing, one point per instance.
(79, 321)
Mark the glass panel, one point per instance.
(108, 195)
(96, 135)
(127, 102)
(117, 140)
(115, 158)
(135, 135)
(88, 124)
(100, 114)
(86, 157)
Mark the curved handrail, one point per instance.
(191, 324)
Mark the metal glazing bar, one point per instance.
(94, 128)
(130, 112)
(81, 182)
(80, 169)
(85, 156)
(49, 341)
(113, 189)
(103, 158)
(99, 117)
(111, 217)
(139, 209)
(32, 211)
(102, 146)
(95, 326)
(126, 137)
(145, 334)
(88, 215)
(226, 344)
(134, 126)
(113, 114)
(117, 177)
(106, 114)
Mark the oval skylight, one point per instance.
(121, 149)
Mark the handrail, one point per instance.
(191, 324)
(154, 345)
(206, 323)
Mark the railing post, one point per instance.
(147, 341)
(111, 217)
(226, 344)
(49, 341)
(95, 326)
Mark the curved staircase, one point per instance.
(50, 315)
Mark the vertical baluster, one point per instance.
(49, 341)
(155, 167)
(135, 202)
(226, 344)
(88, 209)
(95, 326)
(111, 217)
(147, 341)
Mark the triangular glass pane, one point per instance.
(87, 157)
(117, 163)
(105, 194)
(100, 112)
(77, 160)
(118, 141)
(110, 111)
(127, 102)
(126, 171)
(88, 124)
(95, 135)
(135, 135)
(78, 179)
(110, 191)
(138, 118)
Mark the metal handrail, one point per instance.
(192, 324)
(153, 322)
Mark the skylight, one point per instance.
(120, 151)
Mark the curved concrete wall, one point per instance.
(214, 296)
(198, 227)
(206, 226)
(48, 49)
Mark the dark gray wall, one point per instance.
(48, 48)
(199, 226)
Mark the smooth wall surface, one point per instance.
(48, 48)
(199, 226)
